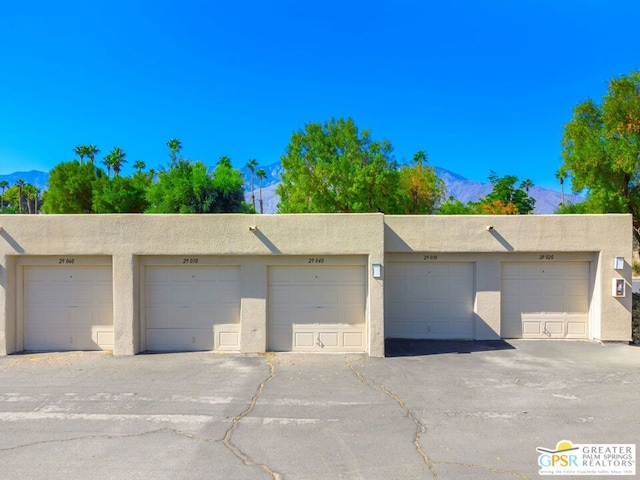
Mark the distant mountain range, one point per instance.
(34, 177)
(458, 186)
(547, 201)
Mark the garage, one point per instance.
(67, 306)
(545, 299)
(317, 308)
(192, 307)
(429, 300)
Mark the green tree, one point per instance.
(70, 188)
(453, 206)
(3, 185)
(261, 174)
(121, 194)
(175, 146)
(228, 188)
(601, 150)
(187, 187)
(11, 200)
(251, 165)
(420, 189)
(333, 167)
(506, 198)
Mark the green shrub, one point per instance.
(635, 268)
(635, 316)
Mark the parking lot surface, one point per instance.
(431, 410)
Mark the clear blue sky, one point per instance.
(478, 85)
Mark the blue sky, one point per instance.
(478, 85)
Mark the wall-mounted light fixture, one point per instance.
(376, 270)
(489, 228)
(618, 263)
(253, 228)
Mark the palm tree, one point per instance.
(81, 151)
(560, 177)
(420, 157)
(139, 166)
(251, 165)
(36, 196)
(175, 146)
(20, 184)
(29, 194)
(108, 162)
(225, 161)
(91, 152)
(117, 155)
(261, 174)
(3, 185)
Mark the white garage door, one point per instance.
(68, 308)
(316, 308)
(191, 308)
(429, 300)
(545, 300)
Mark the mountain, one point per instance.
(34, 177)
(458, 186)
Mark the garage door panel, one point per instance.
(304, 340)
(554, 328)
(66, 307)
(538, 300)
(225, 293)
(185, 305)
(158, 294)
(429, 300)
(576, 329)
(225, 313)
(316, 308)
(530, 327)
(180, 339)
(354, 295)
(577, 305)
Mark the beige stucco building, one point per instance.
(319, 283)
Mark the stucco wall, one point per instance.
(602, 237)
(126, 239)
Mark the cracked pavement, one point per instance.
(435, 410)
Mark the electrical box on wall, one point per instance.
(618, 287)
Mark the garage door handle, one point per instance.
(319, 343)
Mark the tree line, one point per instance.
(327, 168)
(21, 197)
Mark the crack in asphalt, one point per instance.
(420, 427)
(246, 459)
(490, 469)
(109, 437)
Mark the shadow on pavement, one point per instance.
(401, 347)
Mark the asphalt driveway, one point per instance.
(442, 410)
